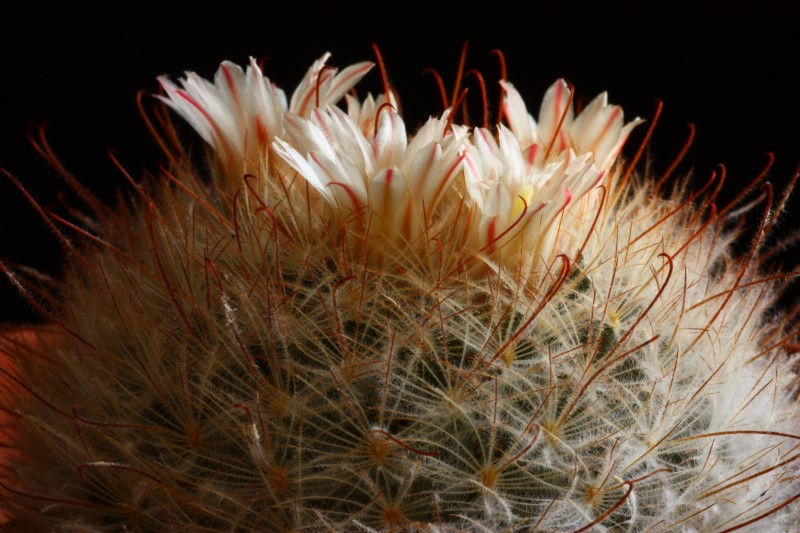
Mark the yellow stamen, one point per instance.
(523, 198)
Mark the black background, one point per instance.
(730, 71)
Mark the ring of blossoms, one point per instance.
(516, 184)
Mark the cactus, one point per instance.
(336, 326)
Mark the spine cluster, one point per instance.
(351, 329)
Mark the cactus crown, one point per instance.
(348, 328)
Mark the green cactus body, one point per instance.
(253, 355)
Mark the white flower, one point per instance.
(518, 201)
(599, 129)
(353, 165)
(522, 180)
(363, 161)
(240, 113)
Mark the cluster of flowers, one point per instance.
(515, 183)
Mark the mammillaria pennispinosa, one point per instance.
(336, 325)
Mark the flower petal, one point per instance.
(553, 108)
(321, 88)
(296, 160)
(306, 136)
(519, 120)
(391, 140)
(388, 196)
